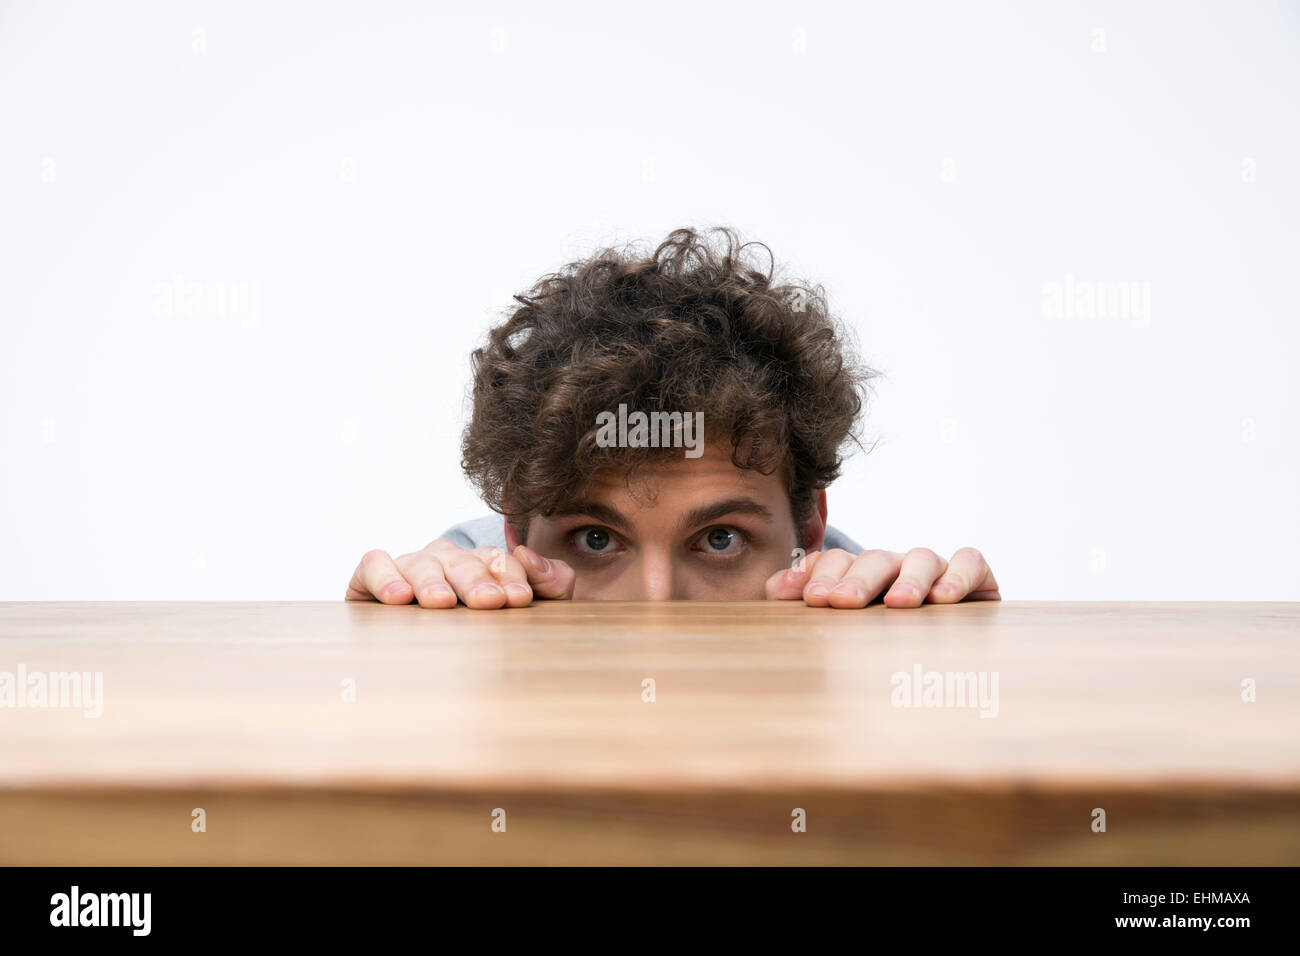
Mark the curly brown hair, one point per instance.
(693, 326)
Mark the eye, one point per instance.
(722, 542)
(719, 539)
(593, 541)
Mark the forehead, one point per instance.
(679, 482)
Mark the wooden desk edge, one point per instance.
(936, 823)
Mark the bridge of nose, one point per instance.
(659, 578)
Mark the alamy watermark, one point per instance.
(78, 908)
(958, 689)
(651, 430)
(219, 299)
(67, 690)
(1090, 299)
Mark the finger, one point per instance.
(788, 585)
(510, 574)
(423, 572)
(968, 574)
(920, 568)
(550, 578)
(830, 568)
(472, 579)
(871, 573)
(377, 578)
(968, 578)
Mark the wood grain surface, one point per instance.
(760, 709)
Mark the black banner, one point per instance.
(1220, 907)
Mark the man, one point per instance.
(664, 427)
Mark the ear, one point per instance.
(814, 529)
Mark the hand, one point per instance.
(837, 578)
(443, 573)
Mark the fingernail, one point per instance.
(489, 591)
(818, 589)
(846, 589)
(394, 590)
(539, 563)
(519, 590)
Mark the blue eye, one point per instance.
(720, 539)
(592, 541)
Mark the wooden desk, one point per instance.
(759, 709)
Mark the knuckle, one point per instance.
(425, 581)
(493, 559)
(924, 553)
(831, 565)
(374, 559)
(442, 545)
(970, 554)
(507, 565)
(463, 560)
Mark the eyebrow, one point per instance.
(702, 515)
(591, 509)
(706, 514)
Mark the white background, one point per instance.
(366, 184)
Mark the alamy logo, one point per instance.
(653, 430)
(1091, 299)
(220, 299)
(56, 689)
(922, 688)
(102, 909)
